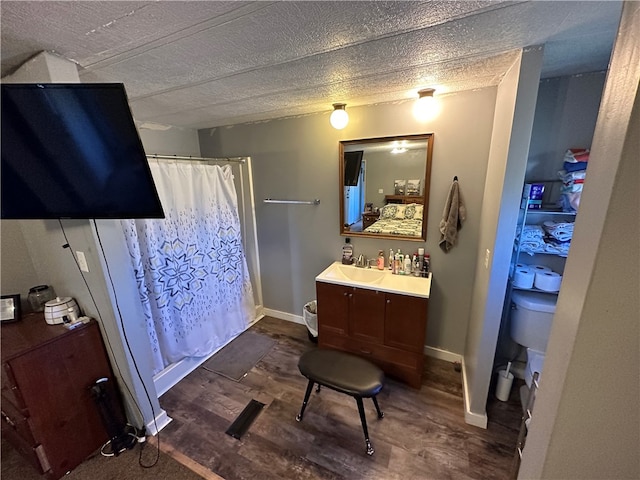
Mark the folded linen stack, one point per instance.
(560, 231)
(532, 239)
(572, 176)
(550, 238)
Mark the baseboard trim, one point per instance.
(161, 421)
(430, 351)
(475, 419)
(442, 354)
(289, 317)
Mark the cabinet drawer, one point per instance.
(387, 355)
(28, 451)
(401, 364)
(13, 419)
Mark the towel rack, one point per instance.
(293, 202)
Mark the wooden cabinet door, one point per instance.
(366, 315)
(333, 309)
(405, 322)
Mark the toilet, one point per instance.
(531, 320)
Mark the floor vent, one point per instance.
(242, 423)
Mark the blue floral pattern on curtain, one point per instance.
(190, 268)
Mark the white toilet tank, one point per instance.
(531, 318)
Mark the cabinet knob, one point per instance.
(345, 294)
(8, 419)
(388, 301)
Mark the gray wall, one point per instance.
(586, 420)
(297, 158)
(379, 175)
(17, 272)
(566, 113)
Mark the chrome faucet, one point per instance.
(361, 262)
(372, 262)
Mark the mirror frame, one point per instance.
(425, 191)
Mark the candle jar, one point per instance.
(39, 295)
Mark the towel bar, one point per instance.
(293, 202)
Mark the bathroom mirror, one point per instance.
(384, 187)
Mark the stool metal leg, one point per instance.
(375, 402)
(306, 399)
(363, 419)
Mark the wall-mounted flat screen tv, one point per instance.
(72, 151)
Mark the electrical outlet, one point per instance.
(380, 190)
(487, 255)
(82, 261)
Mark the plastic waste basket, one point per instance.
(310, 317)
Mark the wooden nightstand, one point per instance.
(369, 218)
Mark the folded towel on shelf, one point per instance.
(533, 232)
(561, 231)
(574, 155)
(542, 246)
(453, 215)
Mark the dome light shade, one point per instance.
(339, 117)
(426, 107)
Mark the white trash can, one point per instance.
(310, 317)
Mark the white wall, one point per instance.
(586, 420)
(297, 159)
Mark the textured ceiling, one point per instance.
(211, 63)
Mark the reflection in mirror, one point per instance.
(384, 187)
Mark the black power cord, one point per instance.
(133, 398)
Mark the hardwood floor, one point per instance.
(422, 435)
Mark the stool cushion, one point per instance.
(341, 371)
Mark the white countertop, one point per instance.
(374, 279)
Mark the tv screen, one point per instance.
(72, 151)
(352, 163)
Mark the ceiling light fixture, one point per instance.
(426, 107)
(339, 117)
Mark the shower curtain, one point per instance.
(191, 270)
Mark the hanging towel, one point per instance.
(452, 217)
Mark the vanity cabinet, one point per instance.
(387, 328)
(48, 413)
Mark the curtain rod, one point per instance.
(198, 159)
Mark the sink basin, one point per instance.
(360, 275)
(374, 279)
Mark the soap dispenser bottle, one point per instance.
(380, 260)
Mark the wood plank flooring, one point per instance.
(422, 435)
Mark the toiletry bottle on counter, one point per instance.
(416, 266)
(420, 260)
(407, 264)
(426, 266)
(380, 260)
(347, 252)
(391, 258)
